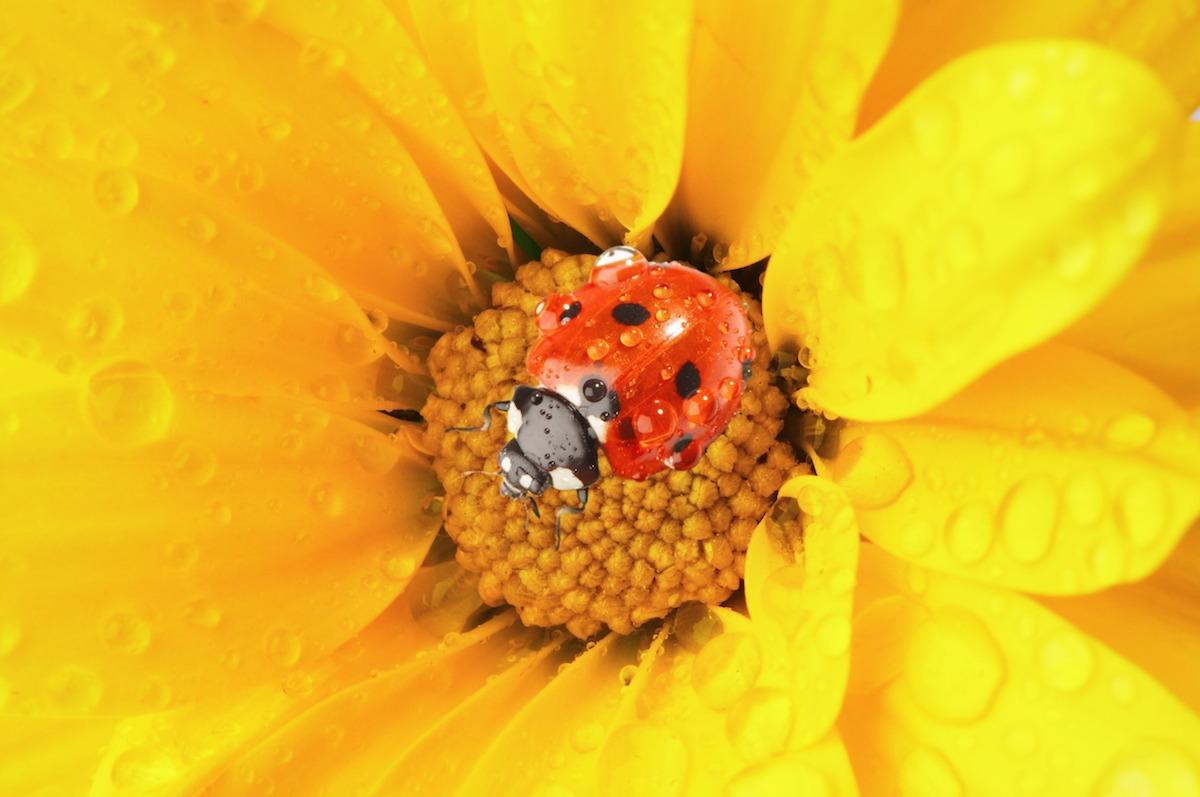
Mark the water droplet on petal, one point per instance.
(284, 647)
(1143, 511)
(116, 192)
(1149, 769)
(969, 532)
(1067, 661)
(1130, 431)
(873, 470)
(129, 404)
(953, 667)
(588, 737)
(16, 84)
(75, 689)
(643, 759)
(1028, 518)
(96, 321)
(759, 724)
(10, 636)
(125, 633)
(726, 669)
(874, 269)
(146, 767)
(18, 261)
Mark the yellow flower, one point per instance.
(230, 231)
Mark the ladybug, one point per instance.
(646, 360)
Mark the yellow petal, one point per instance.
(47, 757)
(1149, 321)
(259, 120)
(1153, 623)
(700, 708)
(589, 98)
(1162, 33)
(960, 688)
(992, 208)
(799, 589)
(773, 92)
(201, 296)
(347, 743)
(162, 543)
(179, 751)
(1058, 472)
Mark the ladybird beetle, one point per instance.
(647, 360)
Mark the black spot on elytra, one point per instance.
(630, 314)
(682, 443)
(569, 312)
(687, 381)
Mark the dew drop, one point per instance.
(1142, 511)
(661, 291)
(874, 270)
(729, 389)
(760, 723)
(16, 84)
(667, 372)
(202, 613)
(935, 130)
(127, 633)
(10, 637)
(96, 321)
(1130, 431)
(194, 463)
(969, 532)
(18, 261)
(654, 422)
(321, 288)
(284, 647)
(874, 470)
(587, 737)
(727, 668)
(198, 227)
(1149, 769)
(643, 759)
(700, 406)
(145, 767)
(1028, 519)
(627, 674)
(953, 667)
(236, 12)
(129, 404)
(329, 500)
(1084, 498)
(1067, 661)
(75, 689)
(598, 349)
(833, 635)
(398, 566)
(706, 299)
(836, 80)
(631, 337)
(116, 192)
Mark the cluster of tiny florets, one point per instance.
(641, 548)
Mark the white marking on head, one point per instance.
(599, 427)
(617, 254)
(514, 419)
(565, 479)
(526, 480)
(570, 393)
(505, 464)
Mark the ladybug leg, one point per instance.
(568, 510)
(487, 418)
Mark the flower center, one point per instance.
(640, 548)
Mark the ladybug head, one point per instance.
(556, 311)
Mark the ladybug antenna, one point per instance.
(487, 418)
(568, 510)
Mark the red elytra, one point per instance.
(671, 341)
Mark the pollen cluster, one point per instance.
(641, 548)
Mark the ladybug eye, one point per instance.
(594, 390)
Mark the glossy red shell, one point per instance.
(671, 340)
